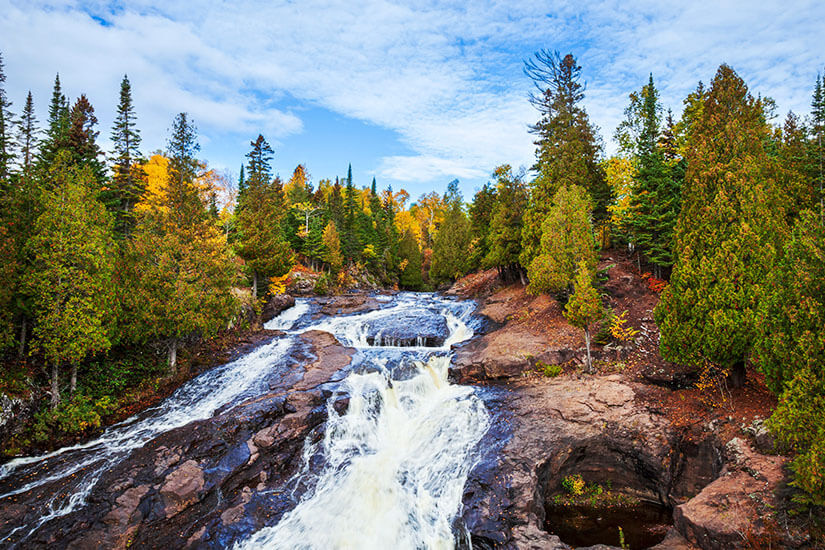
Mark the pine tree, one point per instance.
(332, 248)
(58, 127)
(350, 243)
(127, 182)
(817, 142)
(70, 276)
(726, 237)
(183, 196)
(451, 245)
(260, 241)
(584, 307)
(567, 238)
(506, 223)
(568, 149)
(6, 131)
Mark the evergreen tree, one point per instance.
(70, 276)
(126, 185)
(58, 127)
(506, 223)
(584, 307)
(481, 213)
(817, 142)
(792, 330)
(451, 245)
(9, 275)
(655, 201)
(177, 265)
(81, 140)
(27, 136)
(6, 131)
(260, 240)
(349, 236)
(726, 235)
(567, 238)
(332, 248)
(410, 266)
(568, 149)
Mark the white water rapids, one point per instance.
(393, 466)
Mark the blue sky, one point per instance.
(413, 93)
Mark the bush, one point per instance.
(72, 416)
(322, 285)
(573, 485)
(550, 371)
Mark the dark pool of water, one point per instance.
(644, 525)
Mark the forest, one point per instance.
(114, 260)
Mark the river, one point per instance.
(388, 473)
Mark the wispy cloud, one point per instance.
(446, 76)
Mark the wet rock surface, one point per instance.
(206, 483)
(275, 305)
(347, 304)
(408, 329)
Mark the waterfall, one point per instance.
(394, 467)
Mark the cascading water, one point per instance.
(392, 467)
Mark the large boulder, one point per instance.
(408, 329)
(275, 305)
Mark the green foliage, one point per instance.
(727, 233)
(72, 416)
(70, 276)
(792, 316)
(332, 248)
(573, 484)
(799, 420)
(568, 150)
(567, 237)
(481, 212)
(451, 245)
(323, 284)
(410, 267)
(585, 305)
(549, 370)
(506, 222)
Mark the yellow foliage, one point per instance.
(619, 172)
(404, 221)
(403, 265)
(277, 285)
(156, 180)
(620, 329)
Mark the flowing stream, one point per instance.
(392, 468)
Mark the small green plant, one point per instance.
(574, 485)
(549, 370)
(72, 416)
(322, 284)
(622, 543)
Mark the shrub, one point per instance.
(573, 485)
(322, 285)
(73, 416)
(549, 370)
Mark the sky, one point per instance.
(413, 93)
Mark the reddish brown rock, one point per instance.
(182, 487)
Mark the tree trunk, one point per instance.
(55, 386)
(521, 276)
(73, 380)
(737, 376)
(21, 351)
(587, 345)
(173, 354)
(254, 286)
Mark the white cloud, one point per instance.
(446, 76)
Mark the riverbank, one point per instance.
(637, 432)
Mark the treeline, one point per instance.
(106, 250)
(724, 202)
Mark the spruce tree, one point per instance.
(260, 241)
(506, 223)
(70, 275)
(126, 184)
(6, 131)
(726, 236)
(584, 307)
(184, 197)
(350, 242)
(567, 238)
(567, 150)
(27, 136)
(817, 142)
(57, 131)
